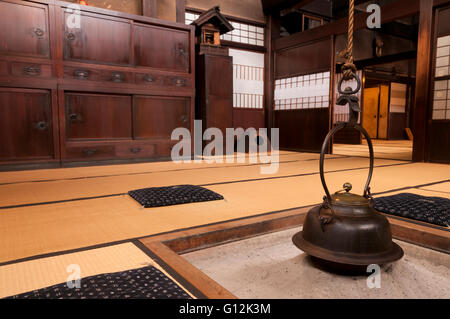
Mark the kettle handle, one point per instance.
(337, 128)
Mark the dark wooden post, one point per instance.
(181, 8)
(272, 32)
(423, 72)
(149, 8)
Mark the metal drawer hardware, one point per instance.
(183, 118)
(70, 36)
(149, 78)
(179, 82)
(89, 151)
(81, 74)
(135, 150)
(39, 32)
(41, 126)
(181, 51)
(117, 77)
(32, 70)
(73, 117)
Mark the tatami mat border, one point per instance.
(203, 185)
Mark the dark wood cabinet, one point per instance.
(157, 117)
(24, 29)
(100, 39)
(215, 90)
(161, 48)
(97, 116)
(112, 87)
(26, 130)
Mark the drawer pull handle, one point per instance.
(73, 117)
(70, 36)
(181, 52)
(32, 70)
(149, 79)
(183, 118)
(39, 32)
(117, 77)
(81, 74)
(135, 150)
(41, 126)
(89, 151)
(179, 82)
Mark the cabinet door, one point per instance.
(98, 116)
(161, 48)
(98, 39)
(157, 117)
(25, 124)
(24, 29)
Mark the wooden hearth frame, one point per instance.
(167, 249)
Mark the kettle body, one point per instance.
(357, 234)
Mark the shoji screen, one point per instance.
(248, 79)
(441, 103)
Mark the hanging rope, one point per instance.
(349, 67)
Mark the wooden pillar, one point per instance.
(272, 33)
(332, 96)
(422, 90)
(181, 8)
(149, 8)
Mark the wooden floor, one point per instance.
(47, 212)
(401, 150)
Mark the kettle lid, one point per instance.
(345, 198)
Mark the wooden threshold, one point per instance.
(167, 248)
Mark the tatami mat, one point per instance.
(40, 273)
(401, 150)
(29, 231)
(139, 168)
(439, 188)
(60, 190)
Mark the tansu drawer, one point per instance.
(97, 75)
(175, 82)
(90, 152)
(31, 69)
(3, 68)
(135, 150)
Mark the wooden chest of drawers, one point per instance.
(103, 86)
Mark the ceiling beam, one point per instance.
(275, 6)
(391, 12)
(149, 8)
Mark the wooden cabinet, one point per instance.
(107, 126)
(97, 116)
(157, 117)
(161, 48)
(110, 87)
(215, 90)
(100, 39)
(24, 29)
(26, 130)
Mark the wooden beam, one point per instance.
(397, 10)
(181, 9)
(272, 32)
(149, 8)
(408, 55)
(196, 278)
(295, 7)
(423, 72)
(275, 6)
